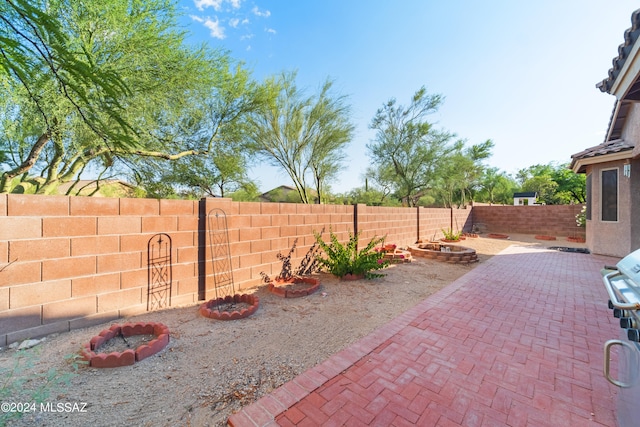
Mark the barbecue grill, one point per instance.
(623, 286)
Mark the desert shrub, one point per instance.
(342, 259)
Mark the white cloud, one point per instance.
(216, 4)
(203, 4)
(258, 12)
(217, 30)
(234, 22)
(196, 18)
(271, 31)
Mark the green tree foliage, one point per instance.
(248, 193)
(215, 126)
(38, 55)
(98, 85)
(407, 150)
(461, 172)
(496, 187)
(571, 186)
(554, 183)
(304, 135)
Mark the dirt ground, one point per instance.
(212, 368)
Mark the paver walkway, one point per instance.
(517, 341)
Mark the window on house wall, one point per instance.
(609, 195)
(588, 198)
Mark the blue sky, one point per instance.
(521, 73)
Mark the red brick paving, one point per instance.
(517, 341)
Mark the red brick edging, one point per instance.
(208, 308)
(497, 236)
(576, 239)
(127, 357)
(351, 277)
(274, 288)
(541, 237)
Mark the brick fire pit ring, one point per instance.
(279, 287)
(452, 254)
(211, 308)
(127, 357)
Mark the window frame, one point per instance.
(588, 195)
(603, 208)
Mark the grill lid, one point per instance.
(630, 267)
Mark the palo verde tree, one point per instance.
(214, 126)
(93, 85)
(407, 149)
(303, 135)
(460, 173)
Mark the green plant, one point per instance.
(342, 259)
(20, 383)
(449, 234)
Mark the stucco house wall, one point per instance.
(631, 132)
(610, 237)
(620, 151)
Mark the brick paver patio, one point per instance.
(515, 342)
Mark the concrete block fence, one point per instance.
(71, 262)
(552, 220)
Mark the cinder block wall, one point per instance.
(259, 231)
(70, 262)
(396, 225)
(553, 220)
(434, 220)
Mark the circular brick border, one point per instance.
(461, 254)
(576, 239)
(127, 357)
(278, 287)
(351, 277)
(398, 256)
(497, 236)
(542, 237)
(208, 309)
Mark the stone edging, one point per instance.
(541, 237)
(497, 236)
(127, 357)
(461, 254)
(576, 239)
(314, 285)
(208, 308)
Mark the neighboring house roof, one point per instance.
(526, 194)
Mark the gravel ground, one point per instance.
(211, 369)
